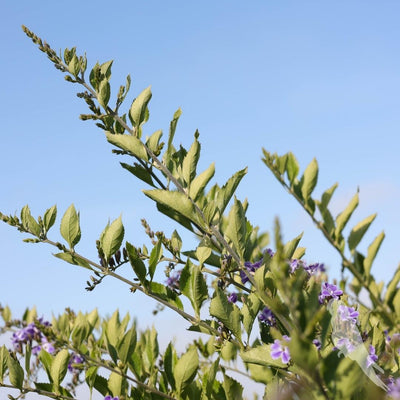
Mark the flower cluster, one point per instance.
(267, 317)
(73, 361)
(329, 291)
(173, 280)
(280, 351)
(32, 333)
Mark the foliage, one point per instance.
(280, 316)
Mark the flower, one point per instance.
(328, 292)
(347, 313)
(75, 359)
(394, 389)
(266, 316)
(252, 267)
(243, 277)
(372, 357)
(279, 351)
(317, 344)
(173, 280)
(111, 398)
(233, 297)
(314, 268)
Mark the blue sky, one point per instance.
(320, 79)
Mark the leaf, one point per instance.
(177, 201)
(137, 112)
(186, 369)
(193, 285)
(309, 179)
(103, 95)
(203, 252)
(115, 382)
(137, 264)
(200, 181)
(392, 286)
(153, 142)
(292, 167)
(359, 231)
(326, 197)
(59, 367)
(166, 294)
(155, 256)
(3, 362)
(105, 69)
(140, 172)
(226, 312)
(73, 259)
(127, 345)
(190, 162)
(111, 238)
(233, 389)
(170, 359)
(249, 312)
(344, 216)
(28, 222)
(261, 355)
(49, 217)
(172, 129)
(226, 192)
(128, 143)
(236, 229)
(70, 229)
(16, 373)
(290, 247)
(372, 251)
(208, 381)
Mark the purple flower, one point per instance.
(279, 351)
(344, 342)
(252, 267)
(372, 357)
(111, 398)
(394, 389)
(317, 344)
(243, 277)
(347, 313)
(173, 280)
(267, 317)
(270, 252)
(328, 292)
(233, 297)
(75, 359)
(295, 264)
(314, 268)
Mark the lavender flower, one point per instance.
(75, 359)
(270, 252)
(314, 268)
(372, 357)
(317, 344)
(347, 313)
(279, 351)
(394, 389)
(173, 280)
(243, 277)
(252, 267)
(233, 297)
(328, 292)
(295, 263)
(111, 398)
(267, 317)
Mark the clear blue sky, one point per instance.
(317, 78)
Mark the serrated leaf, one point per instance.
(137, 264)
(249, 312)
(344, 216)
(372, 252)
(70, 229)
(203, 252)
(128, 143)
(115, 382)
(190, 162)
(359, 231)
(73, 259)
(226, 192)
(292, 167)
(166, 294)
(226, 312)
(127, 345)
(309, 179)
(261, 355)
(111, 238)
(3, 362)
(49, 217)
(186, 369)
(200, 182)
(208, 380)
(137, 112)
(193, 285)
(15, 373)
(233, 389)
(155, 256)
(236, 228)
(103, 95)
(177, 201)
(59, 367)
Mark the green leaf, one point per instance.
(396, 303)
(359, 231)
(70, 229)
(203, 252)
(170, 360)
(177, 201)
(59, 367)
(261, 355)
(137, 264)
(128, 143)
(190, 162)
(127, 345)
(392, 286)
(372, 251)
(292, 167)
(343, 217)
(186, 369)
(233, 389)
(73, 259)
(166, 294)
(74, 66)
(309, 179)
(208, 381)
(103, 95)
(105, 69)
(154, 259)
(200, 181)
(172, 129)
(137, 112)
(16, 373)
(249, 312)
(140, 172)
(28, 222)
(115, 383)
(236, 229)
(326, 197)
(111, 238)
(193, 285)
(49, 218)
(227, 191)
(290, 247)
(153, 142)
(3, 362)
(226, 312)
